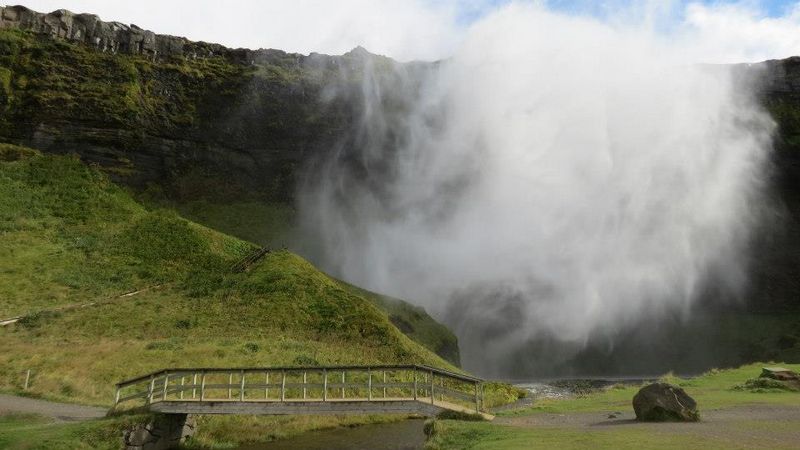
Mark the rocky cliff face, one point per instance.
(199, 119)
(115, 37)
(159, 109)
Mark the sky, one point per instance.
(733, 31)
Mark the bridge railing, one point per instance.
(309, 384)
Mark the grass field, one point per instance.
(730, 418)
(69, 236)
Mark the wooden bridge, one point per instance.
(405, 389)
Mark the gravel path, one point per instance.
(10, 404)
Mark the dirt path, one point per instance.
(752, 426)
(10, 404)
(13, 320)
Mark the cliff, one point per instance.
(198, 120)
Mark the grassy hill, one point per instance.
(69, 236)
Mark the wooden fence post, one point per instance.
(194, 385)
(241, 388)
(304, 384)
(432, 387)
(166, 383)
(266, 389)
(384, 384)
(230, 382)
(324, 384)
(202, 385)
(342, 383)
(27, 379)
(150, 389)
(369, 384)
(415, 382)
(283, 385)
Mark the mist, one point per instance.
(558, 183)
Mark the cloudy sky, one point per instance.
(748, 30)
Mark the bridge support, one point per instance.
(164, 432)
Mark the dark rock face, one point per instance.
(114, 37)
(662, 402)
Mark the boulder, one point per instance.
(779, 373)
(663, 402)
(785, 377)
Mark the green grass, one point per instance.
(69, 236)
(480, 436)
(265, 223)
(32, 432)
(713, 390)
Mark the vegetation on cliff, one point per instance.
(69, 236)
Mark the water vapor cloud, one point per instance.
(559, 178)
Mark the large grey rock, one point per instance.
(663, 402)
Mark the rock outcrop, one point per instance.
(663, 402)
(116, 37)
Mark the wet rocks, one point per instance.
(663, 402)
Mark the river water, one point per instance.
(405, 435)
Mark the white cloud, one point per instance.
(741, 33)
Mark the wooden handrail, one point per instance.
(363, 385)
(189, 371)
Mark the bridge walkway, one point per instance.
(402, 389)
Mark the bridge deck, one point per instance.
(306, 390)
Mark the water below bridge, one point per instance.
(404, 435)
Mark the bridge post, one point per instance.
(304, 384)
(194, 385)
(266, 389)
(415, 382)
(116, 396)
(241, 388)
(230, 382)
(181, 387)
(166, 383)
(150, 389)
(324, 384)
(342, 383)
(384, 384)
(203, 386)
(283, 385)
(369, 384)
(432, 387)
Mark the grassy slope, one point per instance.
(37, 433)
(69, 236)
(714, 390)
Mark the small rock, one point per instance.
(663, 402)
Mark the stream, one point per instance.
(404, 435)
